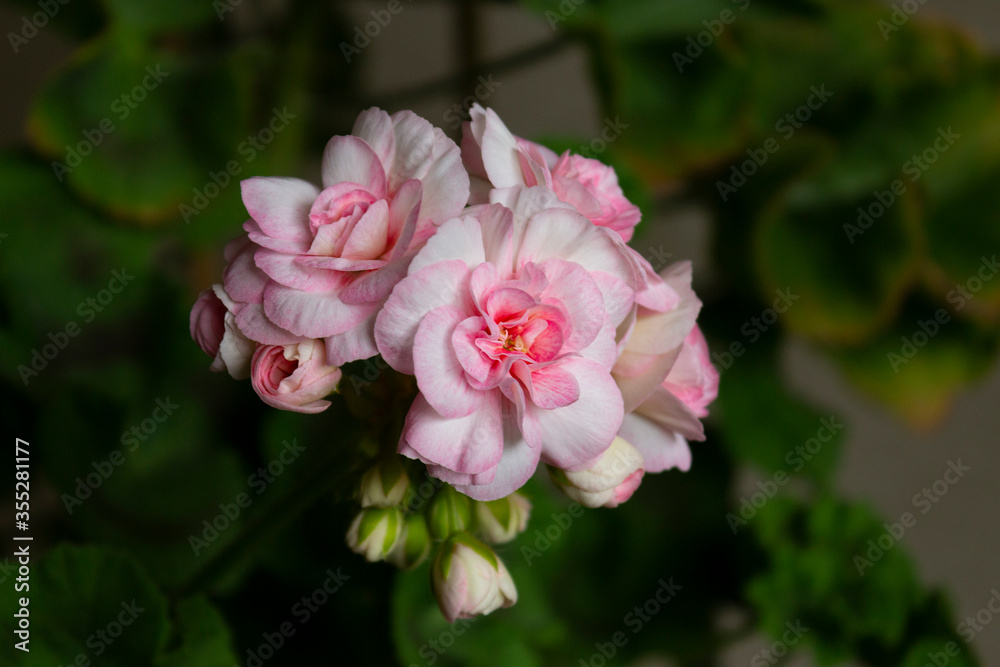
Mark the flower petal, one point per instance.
(280, 206)
(351, 160)
(661, 449)
(470, 444)
(440, 375)
(577, 433)
(441, 284)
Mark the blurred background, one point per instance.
(830, 169)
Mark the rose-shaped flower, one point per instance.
(608, 481)
(666, 378)
(213, 327)
(294, 377)
(330, 257)
(507, 318)
(468, 579)
(496, 158)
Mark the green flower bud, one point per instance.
(375, 532)
(414, 546)
(500, 521)
(385, 485)
(450, 513)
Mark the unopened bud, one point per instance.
(468, 579)
(500, 521)
(450, 513)
(414, 546)
(384, 485)
(610, 480)
(375, 531)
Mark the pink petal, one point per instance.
(463, 341)
(285, 270)
(243, 281)
(404, 211)
(369, 238)
(500, 154)
(671, 413)
(661, 449)
(440, 375)
(571, 287)
(375, 127)
(517, 465)
(377, 284)
(352, 345)
(258, 236)
(280, 206)
(255, 325)
(351, 160)
(459, 238)
(441, 284)
(638, 387)
(470, 444)
(577, 433)
(312, 314)
(553, 387)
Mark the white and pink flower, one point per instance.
(322, 261)
(294, 377)
(666, 378)
(497, 159)
(507, 319)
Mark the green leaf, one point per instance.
(92, 602)
(136, 130)
(149, 17)
(816, 578)
(963, 233)
(918, 365)
(851, 280)
(203, 637)
(765, 425)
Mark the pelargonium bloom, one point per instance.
(294, 377)
(507, 318)
(496, 158)
(213, 327)
(666, 378)
(330, 257)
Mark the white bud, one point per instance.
(610, 480)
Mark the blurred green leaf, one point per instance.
(764, 424)
(129, 129)
(91, 602)
(203, 637)
(817, 579)
(919, 364)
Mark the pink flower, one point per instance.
(213, 327)
(666, 378)
(497, 158)
(329, 258)
(507, 318)
(693, 379)
(294, 377)
(608, 481)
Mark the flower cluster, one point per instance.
(498, 275)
